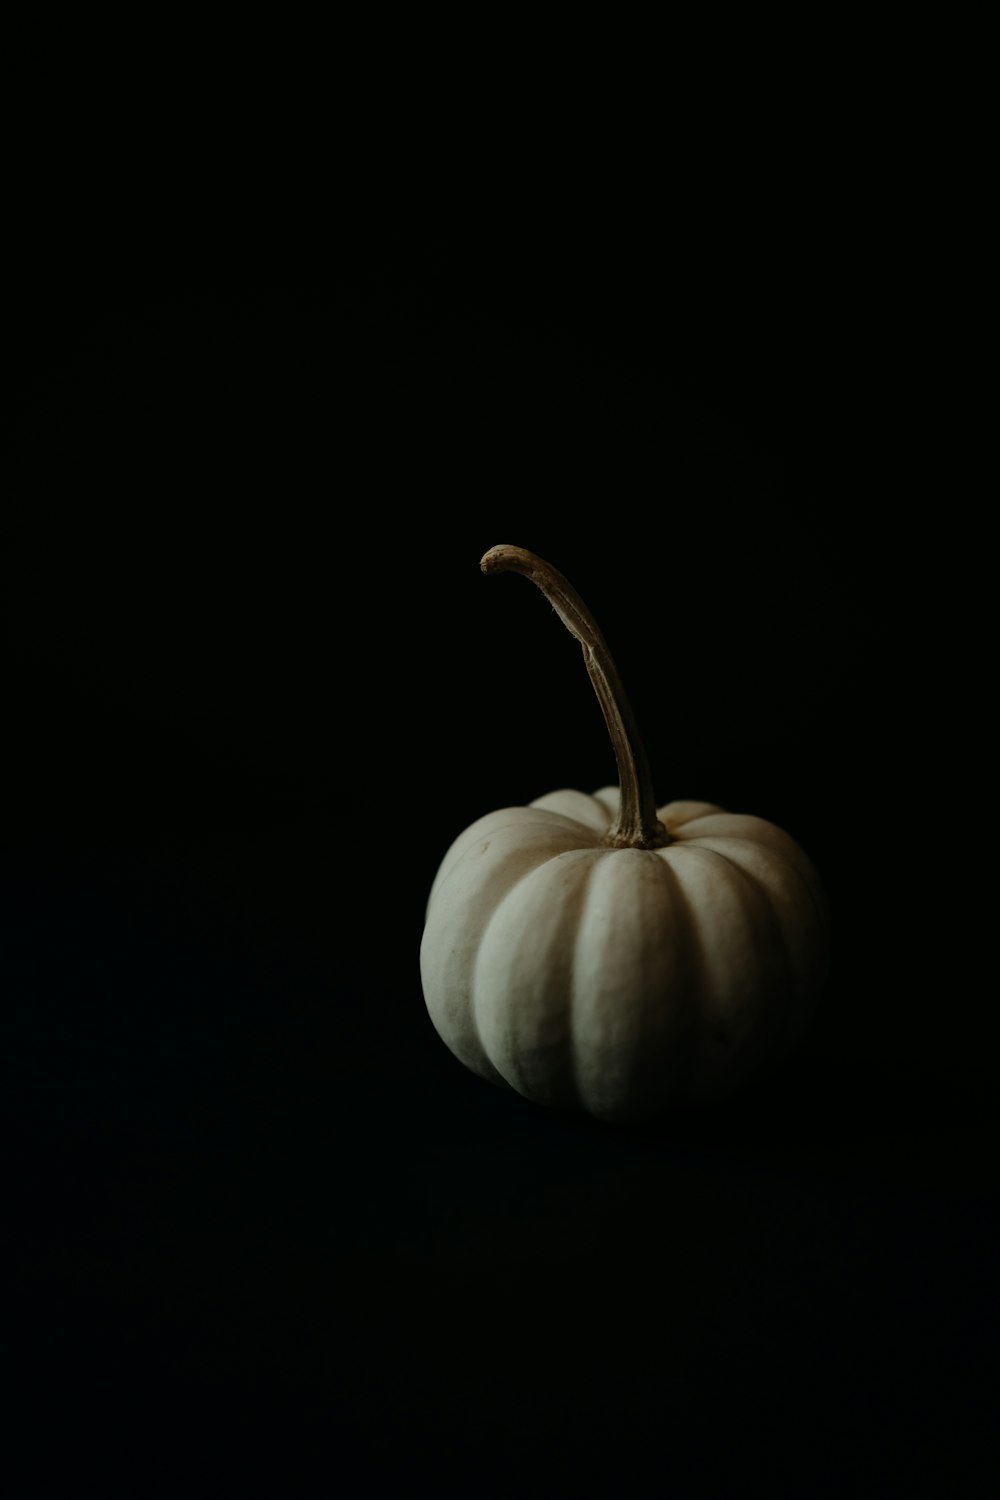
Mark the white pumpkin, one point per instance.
(598, 953)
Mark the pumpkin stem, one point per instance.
(637, 826)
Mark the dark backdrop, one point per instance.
(262, 1223)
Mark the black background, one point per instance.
(262, 1224)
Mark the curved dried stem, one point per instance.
(637, 826)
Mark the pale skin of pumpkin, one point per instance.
(598, 953)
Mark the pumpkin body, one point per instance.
(621, 980)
